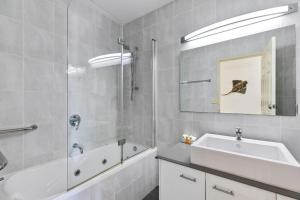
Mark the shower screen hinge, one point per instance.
(121, 142)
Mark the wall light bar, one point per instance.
(240, 21)
(110, 60)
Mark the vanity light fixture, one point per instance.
(110, 60)
(240, 21)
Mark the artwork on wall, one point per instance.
(245, 68)
(238, 86)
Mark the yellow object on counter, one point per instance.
(188, 139)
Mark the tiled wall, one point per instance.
(167, 25)
(33, 81)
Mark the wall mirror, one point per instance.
(249, 75)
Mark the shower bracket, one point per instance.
(121, 142)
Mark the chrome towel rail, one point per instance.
(199, 81)
(29, 128)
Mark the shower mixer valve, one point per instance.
(75, 121)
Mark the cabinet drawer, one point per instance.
(218, 188)
(177, 182)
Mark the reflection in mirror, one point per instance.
(248, 75)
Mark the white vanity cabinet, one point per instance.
(180, 183)
(218, 188)
(280, 197)
(177, 182)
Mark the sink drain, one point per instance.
(104, 161)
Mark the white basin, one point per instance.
(267, 162)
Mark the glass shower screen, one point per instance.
(110, 115)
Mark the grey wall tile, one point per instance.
(150, 19)
(60, 78)
(85, 9)
(11, 77)
(165, 33)
(38, 75)
(181, 6)
(11, 109)
(38, 145)
(11, 40)
(133, 27)
(204, 13)
(79, 54)
(183, 24)
(60, 18)
(80, 29)
(165, 13)
(11, 8)
(37, 107)
(38, 43)
(60, 50)
(40, 14)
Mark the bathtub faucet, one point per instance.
(77, 146)
(3, 161)
(74, 121)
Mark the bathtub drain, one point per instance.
(77, 172)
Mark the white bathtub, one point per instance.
(49, 180)
(36, 183)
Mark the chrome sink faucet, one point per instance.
(77, 146)
(238, 133)
(3, 161)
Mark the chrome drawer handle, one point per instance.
(230, 192)
(187, 178)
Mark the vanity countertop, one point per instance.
(180, 154)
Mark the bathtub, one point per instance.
(35, 183)
(50, 180)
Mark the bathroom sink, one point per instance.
(267, 162)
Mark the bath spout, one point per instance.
(77, 146)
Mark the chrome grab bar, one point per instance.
(187, 178)
(29, 128)
(230, 192)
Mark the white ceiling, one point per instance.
(127, 10)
